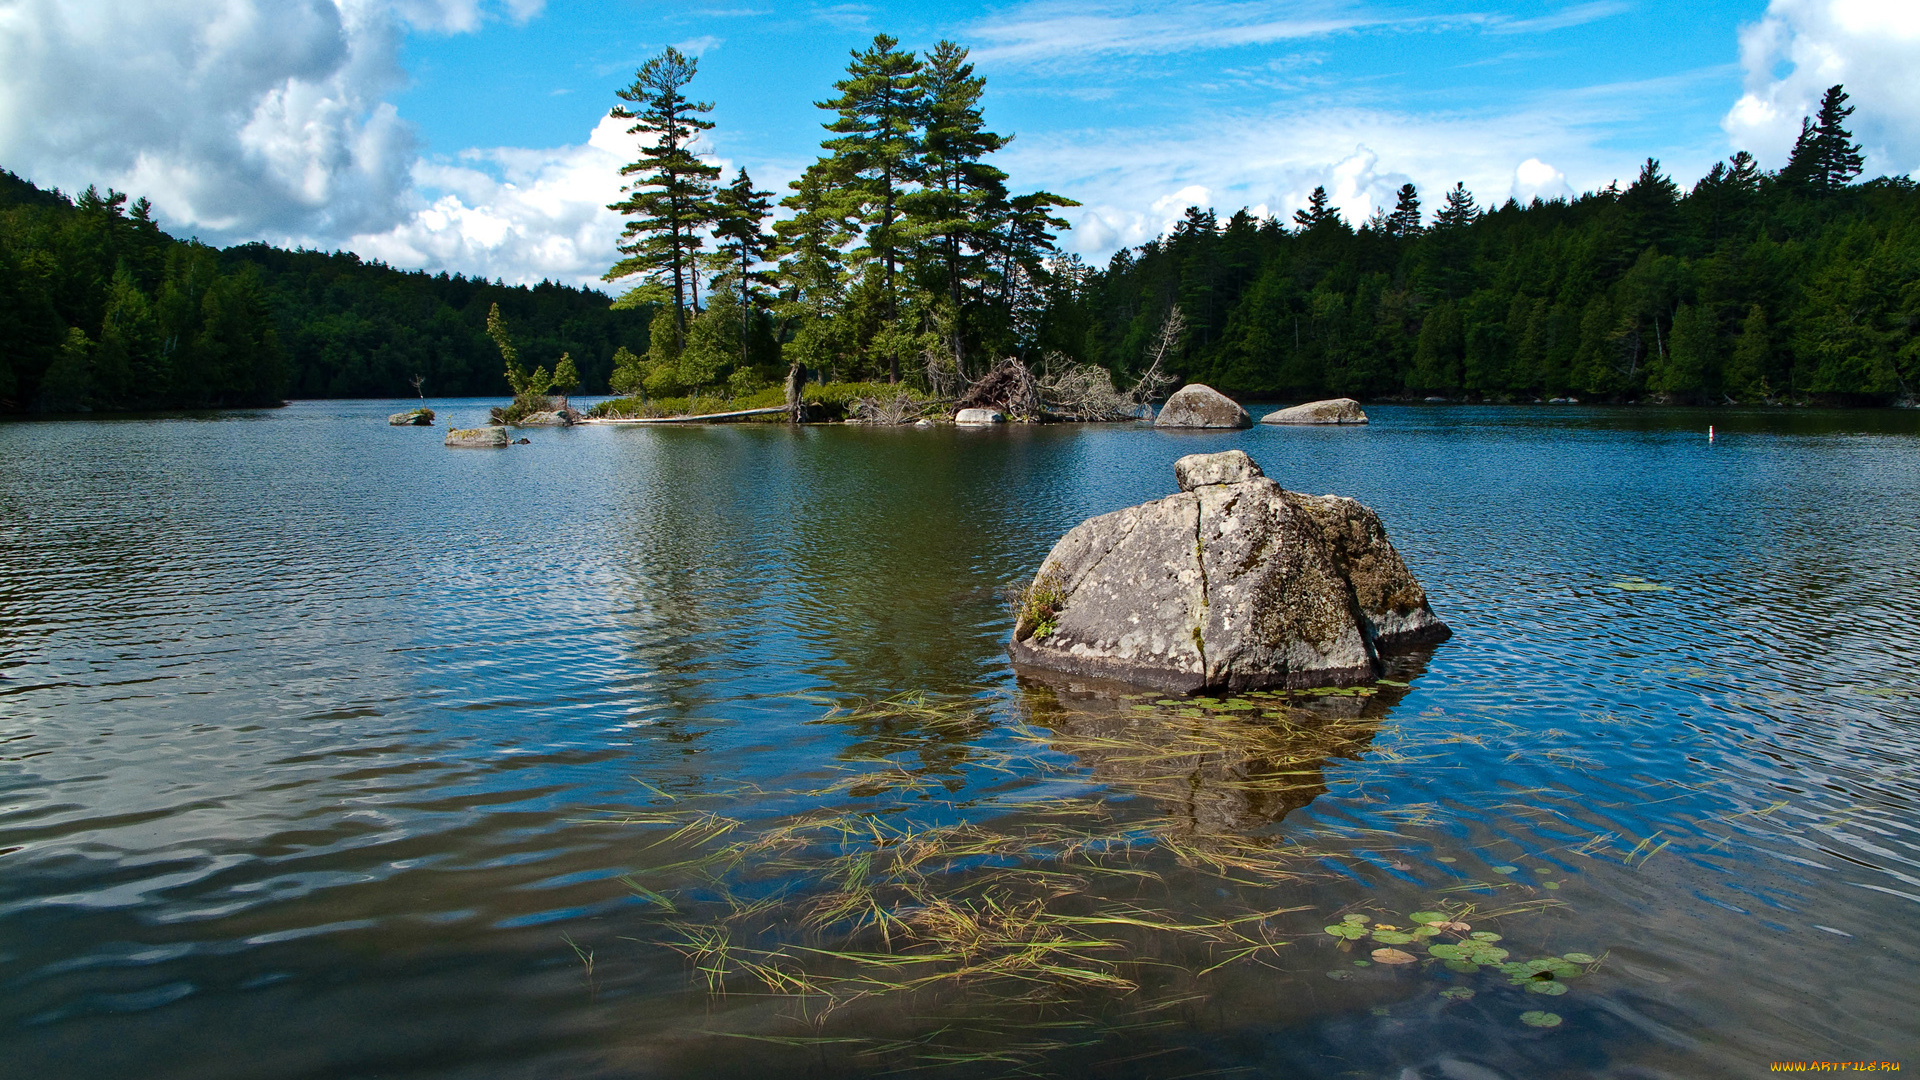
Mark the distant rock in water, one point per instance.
(477, 437)
(979, 417)
(1332, 411)
(561, 417)
(1198, 406)
(1233, 584)
(412, 418)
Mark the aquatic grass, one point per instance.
(898, 890)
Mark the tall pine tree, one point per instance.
(877, 154)
(671, 198)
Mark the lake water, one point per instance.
(328, 752)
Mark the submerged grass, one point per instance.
(1092, 914)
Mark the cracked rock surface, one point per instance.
(1235, 583)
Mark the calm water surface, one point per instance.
(316, 738)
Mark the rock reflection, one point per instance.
(1211, 765)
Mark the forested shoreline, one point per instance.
(101, 310)
(1795, 286)
(904, 257)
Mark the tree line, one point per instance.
(1754, 286)
(100, 309)
(902, 253)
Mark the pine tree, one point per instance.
(878, 153)
(1651, 206)
(1752, 361)
(1405, 219)
(959, 189)
(1459, 211)
(812, 269)
(1317, 213)
(740, 227)
(671, 199)
(1825, 157)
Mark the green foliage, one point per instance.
(671, 196)
(1040, 605)
(1745, 289)
(178, 324)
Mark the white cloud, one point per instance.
(1535, 179)
(1052, 29)
(1135, 182)
(1801, 47)
(521, 215)
(240, 119)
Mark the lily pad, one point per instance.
(1391, 937)
(1347, 931)
(1484, 935)
(1464, 967)
(1391, 682)
(1446, 858)
(1424, 917)
(1340, 975)
(1549, 884)
(1458, 993)
(1580, 958)
(1447, 952)
(1426, 931)
(1355, 919)
(1547, 986)
(1393, 956)
(1506, 869)
(1455, 927)
(1536, 1018)
(1486, 954)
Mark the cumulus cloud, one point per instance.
(1535, 179)
(1133, 183)
(1801, 47)
(520, 215)
(240, 119)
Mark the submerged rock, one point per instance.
(979, 417)
(1332, 411)
(1196, 405)
(1233, 584)
(412, 418)
(477, 437)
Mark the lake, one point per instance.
(328, 752)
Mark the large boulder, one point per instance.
(485, 437)
(1233, 584)
(1332, 411)
(564, 416)
(979, 417)
(1198, 406)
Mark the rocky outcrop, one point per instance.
(412, 418)
(979, 417)
(561, 417)
(1199, 406)
(485, 437)
(1332, 411)
(1233, 584)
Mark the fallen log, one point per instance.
(703, 418)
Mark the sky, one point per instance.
(472, 135)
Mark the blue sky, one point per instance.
(470, 135)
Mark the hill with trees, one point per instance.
(102, 310)
(1753, 286)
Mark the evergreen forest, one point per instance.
(902, 256)
(102, 310)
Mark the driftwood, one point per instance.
(703, 418)
(1008, 388)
